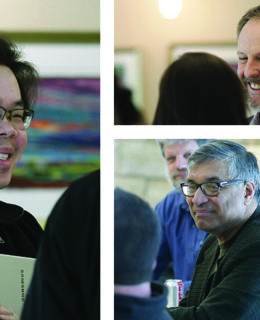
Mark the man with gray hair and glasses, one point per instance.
(222, 192)
(181, 239)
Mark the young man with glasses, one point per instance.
(222, 191)
(19, 230)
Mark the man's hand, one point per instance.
(6, 314)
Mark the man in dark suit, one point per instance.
(222, 192)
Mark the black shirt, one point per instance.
(20, 233)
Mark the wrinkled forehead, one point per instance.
(208, 171)
(181, 147)
(249, 37)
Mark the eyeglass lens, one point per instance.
(209, 188)
(20, 118)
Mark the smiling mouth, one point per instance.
(4, 156)
(254, 86)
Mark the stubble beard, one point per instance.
(252, 106)
(175, 183)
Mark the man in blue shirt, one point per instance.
(181, 239)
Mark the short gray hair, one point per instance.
(242, 163)
(168, 142)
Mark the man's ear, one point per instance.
(249, 192)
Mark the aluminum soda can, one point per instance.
(175, 292)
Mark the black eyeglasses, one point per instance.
(20, 118)
(210, 189)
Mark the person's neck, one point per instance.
(142, 290)
(255, 120)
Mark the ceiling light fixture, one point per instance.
(170, 8)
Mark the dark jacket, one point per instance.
(66, 279)
(235, 289)
(20, 233)
(135, 308)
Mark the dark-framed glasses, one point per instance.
(210, 189)
(20, 118)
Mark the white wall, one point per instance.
(49, 15)
(63, 60)
(139, 25)
(37, 201)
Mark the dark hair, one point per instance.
(250, 14)
(125, 111)
(137, 236)
(25, 73)
(201, 89)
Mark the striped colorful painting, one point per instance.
(64, 137)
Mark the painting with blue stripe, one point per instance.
(64, 137)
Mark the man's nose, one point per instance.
(252, 69)
(199, 197)
(181, 163)
(6, 128)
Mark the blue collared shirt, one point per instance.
(181, 239)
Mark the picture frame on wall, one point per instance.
(226, 51)
(64, 137)
(128, 69)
